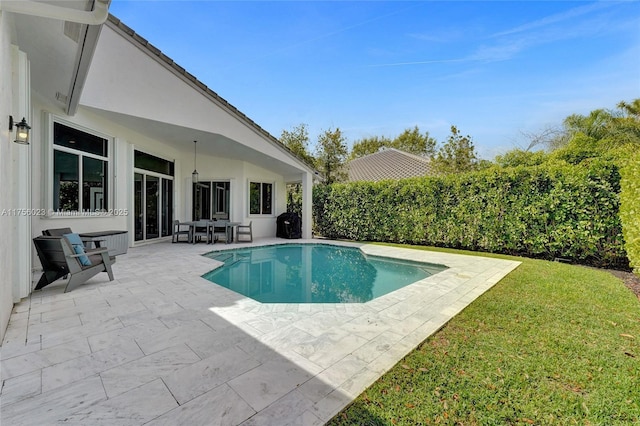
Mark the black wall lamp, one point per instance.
(22, 130)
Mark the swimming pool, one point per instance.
(313, 273)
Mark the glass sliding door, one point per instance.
(167, 207)
(201, 200)
(153, 197)
(138, 205)
(211, 200)
(152, 192)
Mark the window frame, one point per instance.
(261, 182)
(49, 178)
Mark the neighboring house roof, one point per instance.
(389, 163)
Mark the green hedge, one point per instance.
(548, 211)
(630, 205)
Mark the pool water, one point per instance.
(313, 273)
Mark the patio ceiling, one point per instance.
(211, 144)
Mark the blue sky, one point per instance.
(493, 69)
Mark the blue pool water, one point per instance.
(313, 273)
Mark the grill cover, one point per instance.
(289, 226)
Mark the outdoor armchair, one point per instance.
(60, 258)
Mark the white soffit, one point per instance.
(57, 51)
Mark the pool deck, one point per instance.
(160, 345)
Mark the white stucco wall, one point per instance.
(6, 170)
(238, 173)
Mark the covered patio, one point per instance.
(161, 345)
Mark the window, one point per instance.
(80, 170)
(260, 198)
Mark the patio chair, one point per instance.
(59, 257)
(50, 272)
(219, 230)
(179, 229)
(244, 231)
(201, 229)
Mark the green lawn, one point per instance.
(549, 344)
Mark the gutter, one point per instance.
(97, 16)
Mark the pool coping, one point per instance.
(161, 345)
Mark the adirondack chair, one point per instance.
(58, 259)
(51, 273)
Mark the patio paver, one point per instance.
(160, 345)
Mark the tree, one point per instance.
(549, 136)
(627, 126)
(596, 134)
(368, 146)
(519, 157)
(331, 155)
(456, 155)
(415, 143)
(632, 109)
(297, 140)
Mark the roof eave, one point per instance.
(155, 53)
(81, 67)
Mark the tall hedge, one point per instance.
(547, 211)
(630, 205)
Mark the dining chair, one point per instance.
(245, 231)
(179, 229)
(201, 229)
(219, 230)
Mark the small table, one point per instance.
(116, 241)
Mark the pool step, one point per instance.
(223, 257)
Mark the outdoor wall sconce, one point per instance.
(22, 130)
(194, 175)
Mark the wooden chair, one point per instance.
(179, 229)
(58, 258)
(244, 230)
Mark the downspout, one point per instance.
(97, 16)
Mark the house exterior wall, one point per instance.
(125, 141)
(6, 172)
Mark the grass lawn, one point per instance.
(550, 344)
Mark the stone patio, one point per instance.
(160, 345)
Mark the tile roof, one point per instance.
(389, 163)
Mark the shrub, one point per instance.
(547, 211)
(629, 208)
